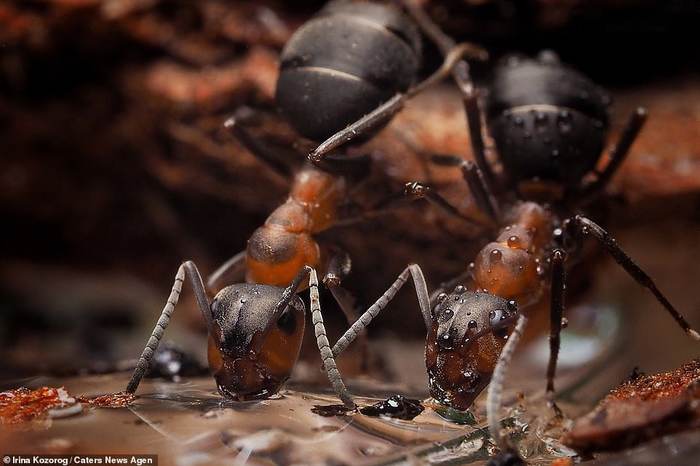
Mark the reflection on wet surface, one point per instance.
(189, 423)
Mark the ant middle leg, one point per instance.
(587, 226)
(145, 360)
(377, 117)
(461, 76)
(618, 154)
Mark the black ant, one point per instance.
(339, 65)
(549, 124)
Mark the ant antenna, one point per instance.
(144, 363)
(495, 391)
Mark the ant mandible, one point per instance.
(255, 329)
(549, 124)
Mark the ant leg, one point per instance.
(385, 111)
(619, 152)
(588, 226)
(144, 363)
(495, 390)
(413, 190)
(461, 76)
(558, 274)
(339, 267)
(324, 347)
(234, 267)
(373, 311)
(476, 180)
(420, 191)
(269, 155)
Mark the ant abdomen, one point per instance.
(343, 63)
(467, 334)
(548, 121)
(251, 351)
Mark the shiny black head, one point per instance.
(548, 121)
(467, 335)
(343, 63)
(462, 317)
(253, 349)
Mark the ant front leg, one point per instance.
(415, 272)
(588, 227)
(144, 363)
(558, 287)
(379, 116)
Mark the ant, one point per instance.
(339, 65)
(549, 124)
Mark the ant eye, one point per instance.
(287, 323)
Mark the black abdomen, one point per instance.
(547, 120)
(343, 63)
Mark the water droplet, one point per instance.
(514, 242)
(472, 324)
(460, 289)
(441, 297)
(496, 254)
(244, 300)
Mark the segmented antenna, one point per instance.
(495, 391)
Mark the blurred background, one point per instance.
(115, 167)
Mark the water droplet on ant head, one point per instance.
(244, 300)
(472, 324)
(441, 297)
(585, 230)
(539, 270)
(447, 314)
(514, 241)
(471, 266)
(496, 254)
(460, 289)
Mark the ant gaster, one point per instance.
(550, 124)
(338, 66)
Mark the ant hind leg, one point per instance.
(588, 227)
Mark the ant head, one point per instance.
(468, 332)
(252, 348)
